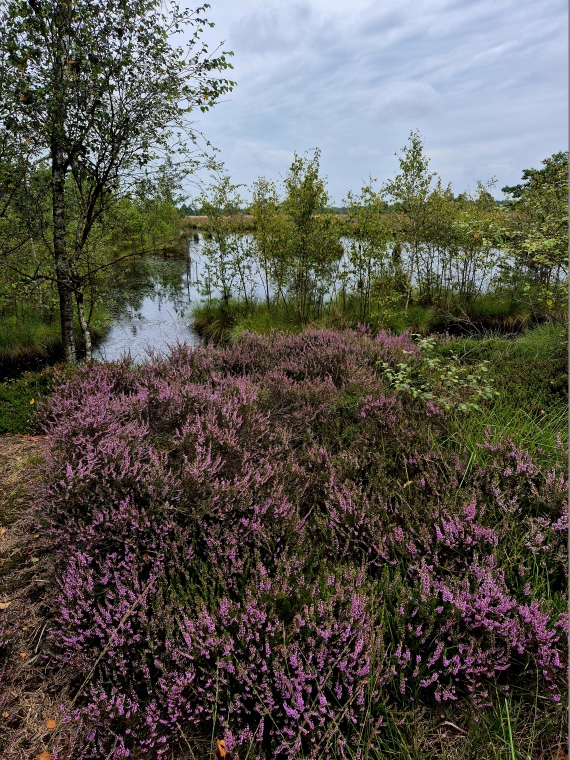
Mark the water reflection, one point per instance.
(152, 298)
(150, 303)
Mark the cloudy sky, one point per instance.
(485, 82)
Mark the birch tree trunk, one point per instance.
(84, 326)
(64, 284)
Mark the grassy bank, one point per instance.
(18, 401)
(528, 369)
(31, 341)
(28, 349)
(21, 396)
(219, 322)
(530, 376)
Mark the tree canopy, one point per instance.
(96, 92)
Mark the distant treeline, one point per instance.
(412, 241)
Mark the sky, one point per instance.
(484, 81)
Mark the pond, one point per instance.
(150, 304)
(152, 298)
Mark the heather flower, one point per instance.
(256, 539)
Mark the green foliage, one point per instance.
(534, 178)
(410, 189)
(446, 382)
(313, 246)
(270, 239)
(296, 248)
(409, 192)
(228, 259)
(368, 260)
(18, 401)
(431, 261)
(146, 219)
(94, 92)
(537, 232)
(104, 79)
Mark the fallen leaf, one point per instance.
(4, 605)
(25, 628)
(23, 655)
(44, 756)
(2, 531)
(32, 401)
(50, 723)
(35, 559)
(409, 483)
(221, 747)
(5, 715)
(37, 535)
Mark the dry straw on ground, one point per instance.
(30, 697)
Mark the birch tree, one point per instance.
(97, 91)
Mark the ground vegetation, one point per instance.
(310, 555)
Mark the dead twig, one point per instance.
(457, 728)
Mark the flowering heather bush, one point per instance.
(260, 542)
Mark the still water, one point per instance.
(152, 298)
(151, 301)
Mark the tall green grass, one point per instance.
(218, 322)
(32, 337)
(530, 375)
(29, 337)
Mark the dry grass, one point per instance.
(30, 693)
(203, 222)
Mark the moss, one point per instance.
(19, 399)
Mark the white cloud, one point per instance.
(273, 27)
(261, 158)
(402, 101)
(485, 82)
